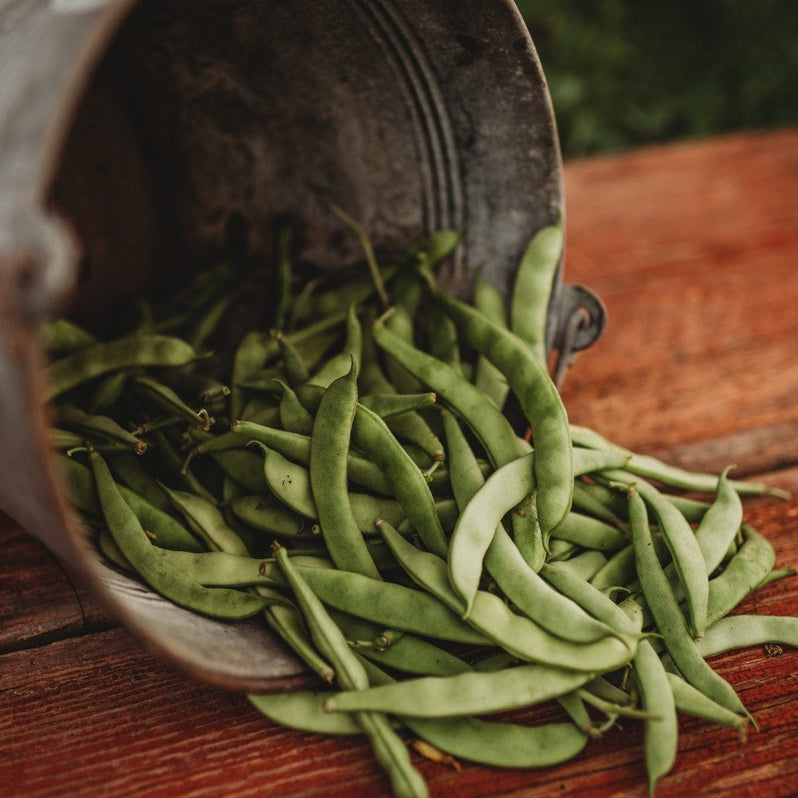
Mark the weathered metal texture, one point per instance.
(164, 130)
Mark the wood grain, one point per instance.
(693, 248)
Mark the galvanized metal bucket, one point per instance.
(142, 136)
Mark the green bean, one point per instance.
(490, 743)
(206, 521)
(388, 405)
(439, 246)
(652, 468)
(612, 709)
(109, 390)
(692, 509)
(741, 576)
(339, 365)
(98, 426)
(693, 702)
(219, 568)
(720, 524)
(466, 475)
(741, 631)
(329, 447)
(585, 565)
(534, 287)
(461, 694)
(295, 369)
(98, 359)
(79, 487)
(671, 623)
(137, 549)
(371, 436)
(390, 605)
(618, 570)
(60, 336)
(590, 533)
(388, 747)
(539, 400)
(688, 559)
(243, 466)
(256, 511)
(368, 251)
(478, 524)
(176, 465)
(576, 710)
(250, 355)
(260, 411)
(598, 502)
(407, 426)
(303, 710)
(287, 622)
(487, 378)
(67, 439)
(290, 483)
(296, 447)
(661, 729)
(407, 291)
(293, 415)
(129, 470)
(442, 338)
(507, 745)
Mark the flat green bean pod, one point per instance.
(539, 400)
(693, 702)
(303, 710)
(534, 286)
(290, 483)
(661, 730)
(296, 447)
(742, 574)
(390, 605)
(329, 447)
(93, 361)
(652, 468)
(464, 694)
(487, 378)
(742, 631)
(207, 522)
(260, 513)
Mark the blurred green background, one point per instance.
(623, 73)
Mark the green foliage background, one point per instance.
(623, 73)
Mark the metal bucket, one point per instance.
(138, 138)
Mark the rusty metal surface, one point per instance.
(156, 140)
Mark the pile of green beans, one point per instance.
(349, 473)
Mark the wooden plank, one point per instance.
(39, 600)
(692, 248)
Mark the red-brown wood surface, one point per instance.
(694, 249)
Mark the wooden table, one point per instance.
(694, 249)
